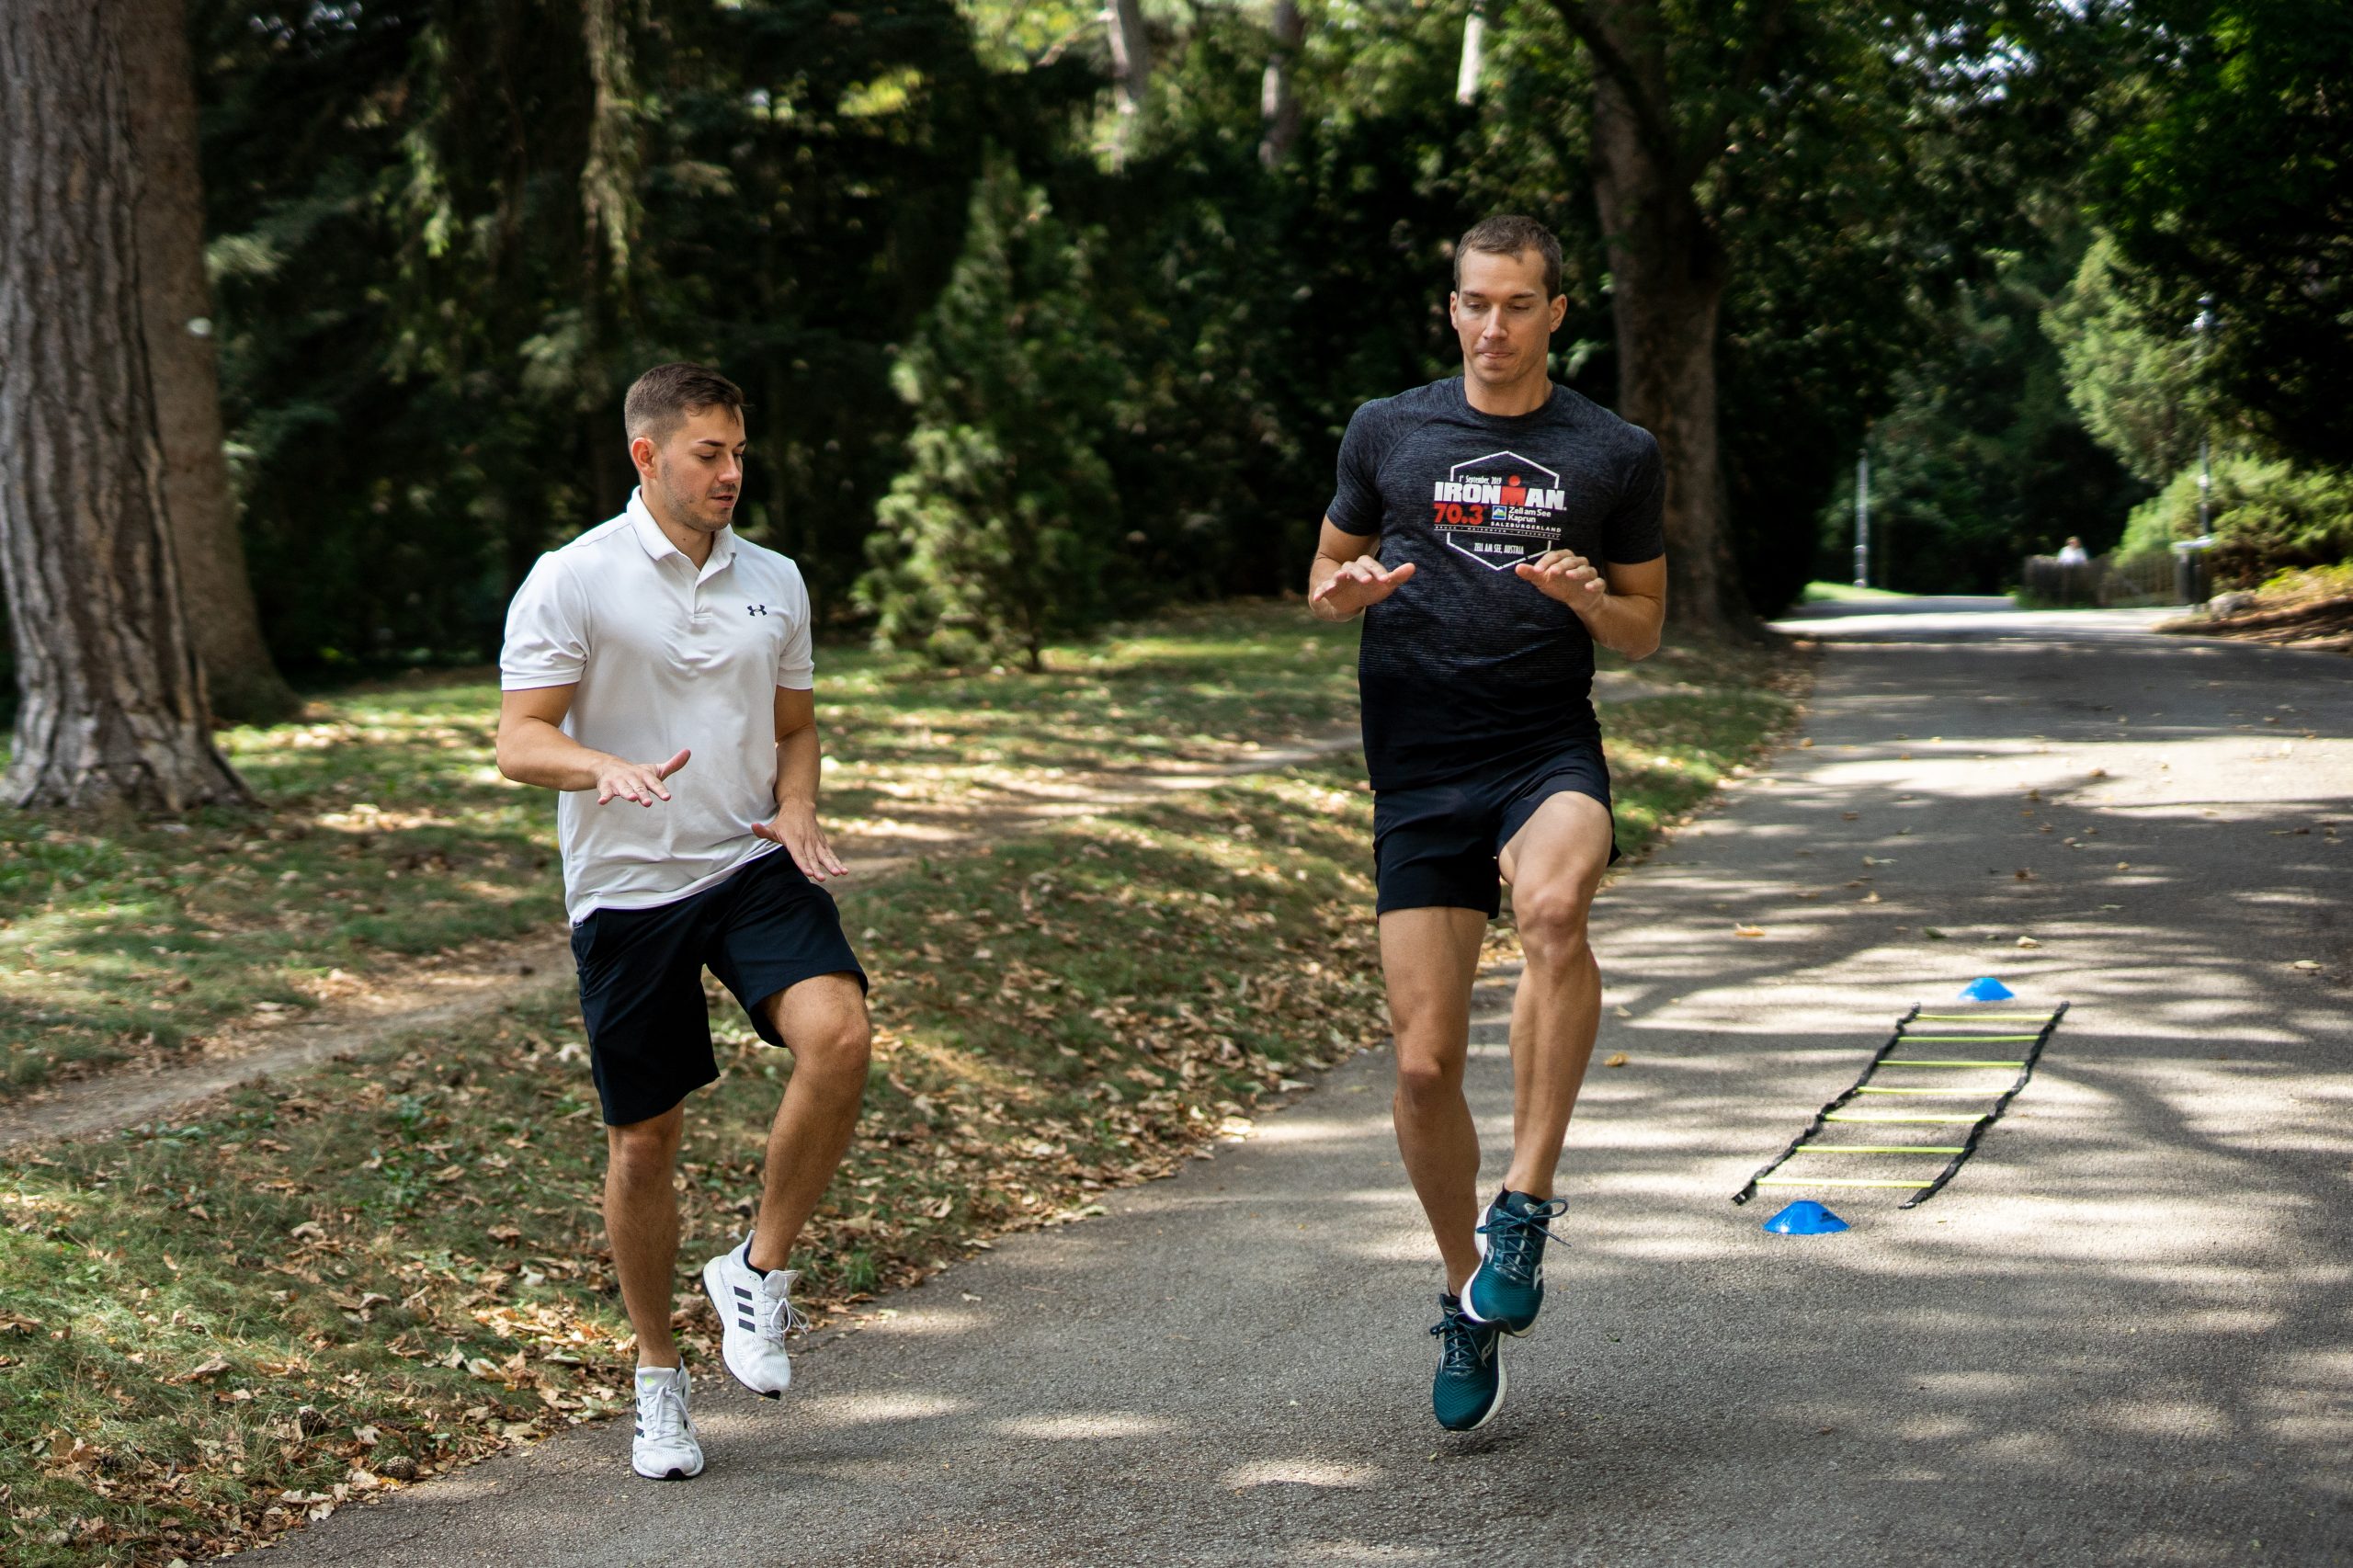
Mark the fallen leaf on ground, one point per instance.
(1748, 930)
(2304, 963)
(1615, 1058)
(2028, 942)
(212, 1368)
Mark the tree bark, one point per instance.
(113, 710)
(1130, 63)
(176, 301)
(1278, 101)
(1474, 55)
(1668, 270)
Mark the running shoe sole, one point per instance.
(673, 1474)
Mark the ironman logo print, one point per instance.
(1499, 510)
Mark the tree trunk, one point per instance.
(1474, 55)
(1667, 271)
(1130, 63)
(113, 711)
(1278, 102)
(176, 304)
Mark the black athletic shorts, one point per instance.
(1434, 845)
(765, 927)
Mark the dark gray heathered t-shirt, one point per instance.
(1466, 668)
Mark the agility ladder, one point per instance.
(1886, 1057)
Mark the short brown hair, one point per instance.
(666, 396)
(1507, 233)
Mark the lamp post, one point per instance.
(2204, 327)
(1863, 520)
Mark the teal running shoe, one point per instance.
(1508, 1290)
(1468, 1388)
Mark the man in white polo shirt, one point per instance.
(659, 634)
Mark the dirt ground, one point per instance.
(2320, 626)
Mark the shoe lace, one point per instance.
(773, 1317)
(1516, 1239)
(1457, 1344)
(661, 1410)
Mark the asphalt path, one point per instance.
(2120, 1336)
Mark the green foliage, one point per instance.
(997, 535)
(2269, 516)
(445, 236)
(2135, 390)
(440, 258)
(2229, 175)
(1983, 459)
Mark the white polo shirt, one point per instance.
(663, 656)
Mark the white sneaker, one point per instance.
(755, 1311)
(666, 1447)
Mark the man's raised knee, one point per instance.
(1551, 920)
(840, 1048)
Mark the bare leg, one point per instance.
(1553, 864)
(642, 1222)
(1430, 957)
(823, 1024)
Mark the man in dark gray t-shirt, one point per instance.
(1491, 527)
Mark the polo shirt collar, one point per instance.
(657, 543)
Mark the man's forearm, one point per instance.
(1626, 623)
(538, 753)
(800, 762)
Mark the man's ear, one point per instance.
(1560, 309)
(640, 453)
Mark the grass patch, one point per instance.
(217, 1328)
(388, 832)
(309, 1292)
(1844, 592)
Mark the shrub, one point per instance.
(2269, 516)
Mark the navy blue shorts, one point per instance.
(1434, 846)
(765, 929)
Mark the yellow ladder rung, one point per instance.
(1875, 1089)
(1850, 1116)
(1877, 1149)
(1979, 1062)
(1832, 1181)
(1982, 1017)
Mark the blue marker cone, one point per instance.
(1804, 1218)
(1986, 989)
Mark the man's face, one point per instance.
(696, 472)
(1502, 316)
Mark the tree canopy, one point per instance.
(1087, 296)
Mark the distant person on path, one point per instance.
(2072, 553)
(659, 634)
(1491, 527)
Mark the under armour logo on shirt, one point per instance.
(756, 609)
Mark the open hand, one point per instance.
(795, 827)
(1565, 576)
(638, 781)
(1357, 584)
